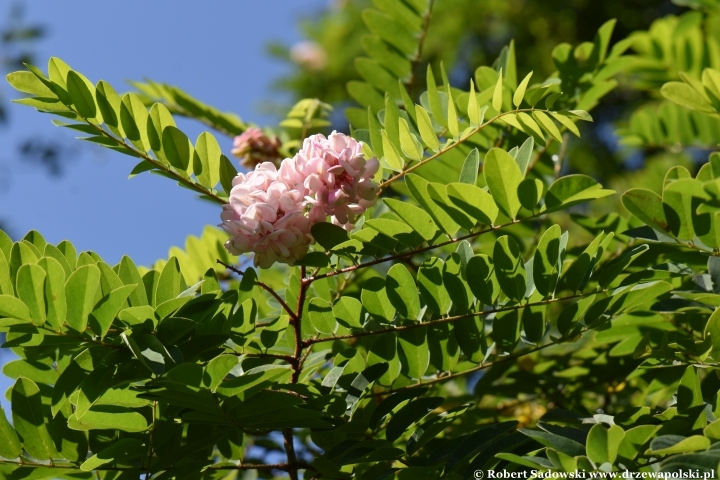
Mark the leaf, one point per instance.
(361, 382)
(509, 268)
(170, 283)
(683, 94)
(546, 260)
(560, 443)
(455, 283)
(530, 192)
(27, 82)
(10, 446)
(473, 108)
(54, 291)
(80, 291)
(524, 155)
(29, 421)
(31, 290)
(12, 307)
(473, 201)
(547, 125)
(105, 311)
(520, 92)
(712, 330)
(426, 129)
(321, 316)
(375, 299)
(402, 292)
(227, 173)
(503, 176)
(133, 118)
(481, 279)
(417, 218)
(348, 312)
(431, 285)
(384, 351)
(470, 168)
(411, 413)
(603, 443)
(392, 156)
(418, 187)
(566, 122)
(177, 148)
(414, 353)
(81, 96)
(572, 190)
(438, 194)
(123, 449)
(109, 102)
(498, 93)
(409, 145)
(506, 329)
(670, 444)
(647, 206)
(329, 235)
(452, 119)
(114, 419)
(613, 269)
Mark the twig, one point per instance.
(265, 287)
(431, 323)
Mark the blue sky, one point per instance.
(213, 50)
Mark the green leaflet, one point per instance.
(375, 299)
(28, 419)
(80, 291)
(503, 177)
(546, 261)
(10, 446)
(481, 279)
(572, 190)
(456, 284)
(30, 289)
(506, 329)
(123, 449)
(384, 351)
(402, 292)
(418, 187)
(647, 206)
(474, 201)
(105, 311)
(430, 280)
(418, 219)
(321, 316)
(603, 443)
(414, 354)
(509, 268)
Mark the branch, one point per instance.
(181, 179)
(430, 323)
(453, 145)
(264, 286)
(421, 42)
(419, 250)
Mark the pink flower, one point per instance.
(310, 55)
(336, 176)
(266, 217)
(271, 211)
(254, 147)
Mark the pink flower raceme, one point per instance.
(335, 176)
(266, 217)
(271, 211)
(254, 147)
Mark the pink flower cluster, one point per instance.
(271, 211)
(254, 147)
